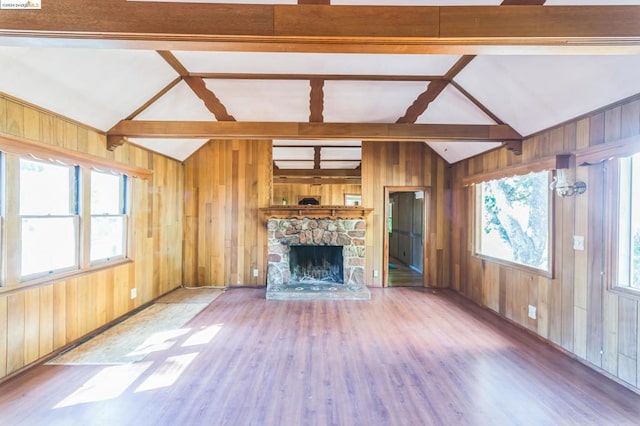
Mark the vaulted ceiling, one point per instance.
(507, 95)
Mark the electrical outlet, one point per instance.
(532, 312)
(255, 272)
(375, 273)
(578, 242)
(134, 293)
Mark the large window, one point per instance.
(628, 224)
(108, 216)
(513, 220)
(49, 218)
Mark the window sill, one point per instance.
(633, 293)
(63, 276)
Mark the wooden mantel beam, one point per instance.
(322, 28)
(298, 131)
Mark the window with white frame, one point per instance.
(628, 223)
(513, 220)
(108, 216)
(49, 218)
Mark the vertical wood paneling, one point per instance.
(575, 309)
(405, 164)
(227, 181)
(34, 322)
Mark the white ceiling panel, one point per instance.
(95, 87)
(341, 153)
(532, 93)
(263, 100)
(179, 103)
(453, 152)
(180, 149)
(452, 107)
(294, 164)
(368, 101)
(315, 63)
(293, 153)
(339, 164)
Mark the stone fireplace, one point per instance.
(321, 258)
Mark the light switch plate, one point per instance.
(578, 242)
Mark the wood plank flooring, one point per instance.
(409, 357)
(402, 275)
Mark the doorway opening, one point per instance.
(405, 241)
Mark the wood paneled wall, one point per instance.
(226, 182)
(574, 309)
(36, 321)
(332, 194)
(406, 164)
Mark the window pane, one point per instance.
(635, 220)
(48, 244)
(107, 237)
(514, 221)
(45, 188)
(105, 193)
(629, 223)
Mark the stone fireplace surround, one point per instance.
(286, 232)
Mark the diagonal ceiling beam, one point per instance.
(210, 100)
(434, 89)
(174, 62)
(298, 131)
(320, 28)
(155, 97)
(198, 87)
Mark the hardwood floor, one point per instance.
(403, 276)
(409, 357)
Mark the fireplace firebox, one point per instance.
(316, 264)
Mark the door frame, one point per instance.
(426, 231)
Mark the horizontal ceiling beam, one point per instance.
(316, 131)
(332, 77)
(345, 173)
(318, 180)
(321, 28)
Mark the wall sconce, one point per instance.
(563, 185)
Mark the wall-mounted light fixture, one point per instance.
(563, 185)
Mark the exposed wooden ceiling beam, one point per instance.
(277, 145)
(434, 89)
(316, 101)
(318, 180)
(318, 172)
(477, 103)
(523, 2)
(174, 62)
(337, 77)
(157, 96)
(288, 160)
(210, 100)
(421, 103)
(318, 28)
(297, 131)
